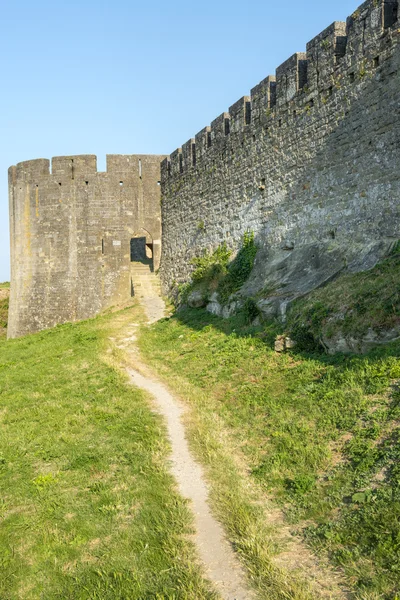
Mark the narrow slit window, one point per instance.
(352, 77)
(102, 246)
(340, 48)
(86, 182)
(247, 117)
(376, 61)
(169, 168)
(209, 141)
(140, 168)
(194, 155)
(180, 163)
(390, 13)
(227, 127)
(72, 169)
(272, 98)
(302, 73)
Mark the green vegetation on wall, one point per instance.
(215, 272)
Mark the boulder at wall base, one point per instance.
(196, 299)
(283, 343)
(224, 310)
(359, 345)
(280, 344)
(233, 306)
(269, 308)
(289, 343)
(214, 306)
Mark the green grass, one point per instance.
(350, 305)
(88, 508)
(319, 434)
(4, 284)
(3, 316)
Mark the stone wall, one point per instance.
(309, 162)
(71, 232)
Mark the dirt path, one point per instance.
(221, 565)
(147, 290)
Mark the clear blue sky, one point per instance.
(126, 77)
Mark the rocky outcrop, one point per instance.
(196, 299)
(347, 344)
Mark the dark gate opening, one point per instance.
(142, 251)
(138, 249)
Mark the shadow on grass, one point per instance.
(199, 319)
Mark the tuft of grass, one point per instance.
(88, 508)
(4, 285)
(319, 434)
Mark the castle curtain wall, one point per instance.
(311, 156)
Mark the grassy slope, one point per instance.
(320, 434)
(351, 304)
(87, 507)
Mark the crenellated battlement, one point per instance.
(333, 55)
(32, 168)
(82, 165)
(324, 53)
